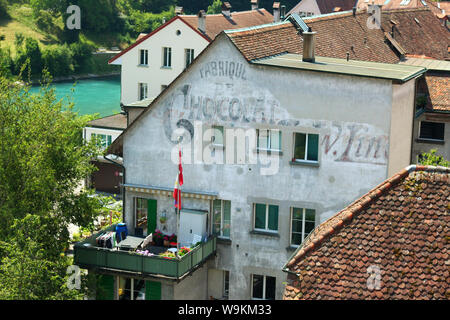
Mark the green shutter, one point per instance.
(313, 147)
(105, 287)
(151, 216)
(152, 290)
(260, 216)
(300, 146)
(226, 218)
(273, 218)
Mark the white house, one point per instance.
(307, 135)
(157, 58)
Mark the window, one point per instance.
(306, 147)
(143, 91)
(167, 57)
(143, 58)
(263, 287)
(217, 137)
(221, 218)
(141, 214)
(432, 130)
(104, 139)
(303, 222)
(131, 289)
(266, 217)
(189, 56)
(269, 139)
(226, 284)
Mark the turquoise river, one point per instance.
(99, 95)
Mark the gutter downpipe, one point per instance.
(122, 186)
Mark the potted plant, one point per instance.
(158, 237)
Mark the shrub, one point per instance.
(3, 9)
(6, 63)
(81, 52)
(44, 21)
(58, 60)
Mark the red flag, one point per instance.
(178, 184)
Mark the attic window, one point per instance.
(417, 21)
(393, 22)
(178, 32)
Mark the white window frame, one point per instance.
(264, 286)
(136, 207)
(145, 51)
(303, 236)
(132, 297)
(106, 139)
(306, 148)
(167, 57)
(267, 217)
(188, 55)
(269, 142)
(142, 85)
(220, 235)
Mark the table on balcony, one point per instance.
(130, 243)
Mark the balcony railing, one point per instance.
(88, 255)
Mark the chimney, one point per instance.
(354, 11)
(202, 21)
(283, 12)
(276, 12)
(226, 9)
(309, 39)
(178, 10)
(255, 4)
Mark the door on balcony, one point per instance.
(152, 290)
(151, 216)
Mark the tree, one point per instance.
(432, 159)
(215, 7)
(43, 158)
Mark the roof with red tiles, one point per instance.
(328, 6)
(392, 243)
(216, 23)
(438, 86)
(417, 31)
(401, 4)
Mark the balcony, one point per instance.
(88, 255)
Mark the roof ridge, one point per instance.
(345, 216)
(222, 15)
(258, 27)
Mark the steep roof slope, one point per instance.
(216, 23)
(417, 31)
(396, 234)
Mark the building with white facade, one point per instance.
(310, 126)
(157, 58)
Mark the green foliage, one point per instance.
(215, 7)
(43, 158)
(147, 22)
(44, 21)
(3, 9)
(432, 159)
(81, 52)
(58, 60)
(28, 56)
(6, 63)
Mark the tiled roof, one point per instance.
(216, 23)
(401, 4)
(342, 33)
(438, 86)
(328, 6)
(117, 121)
(392, 243)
